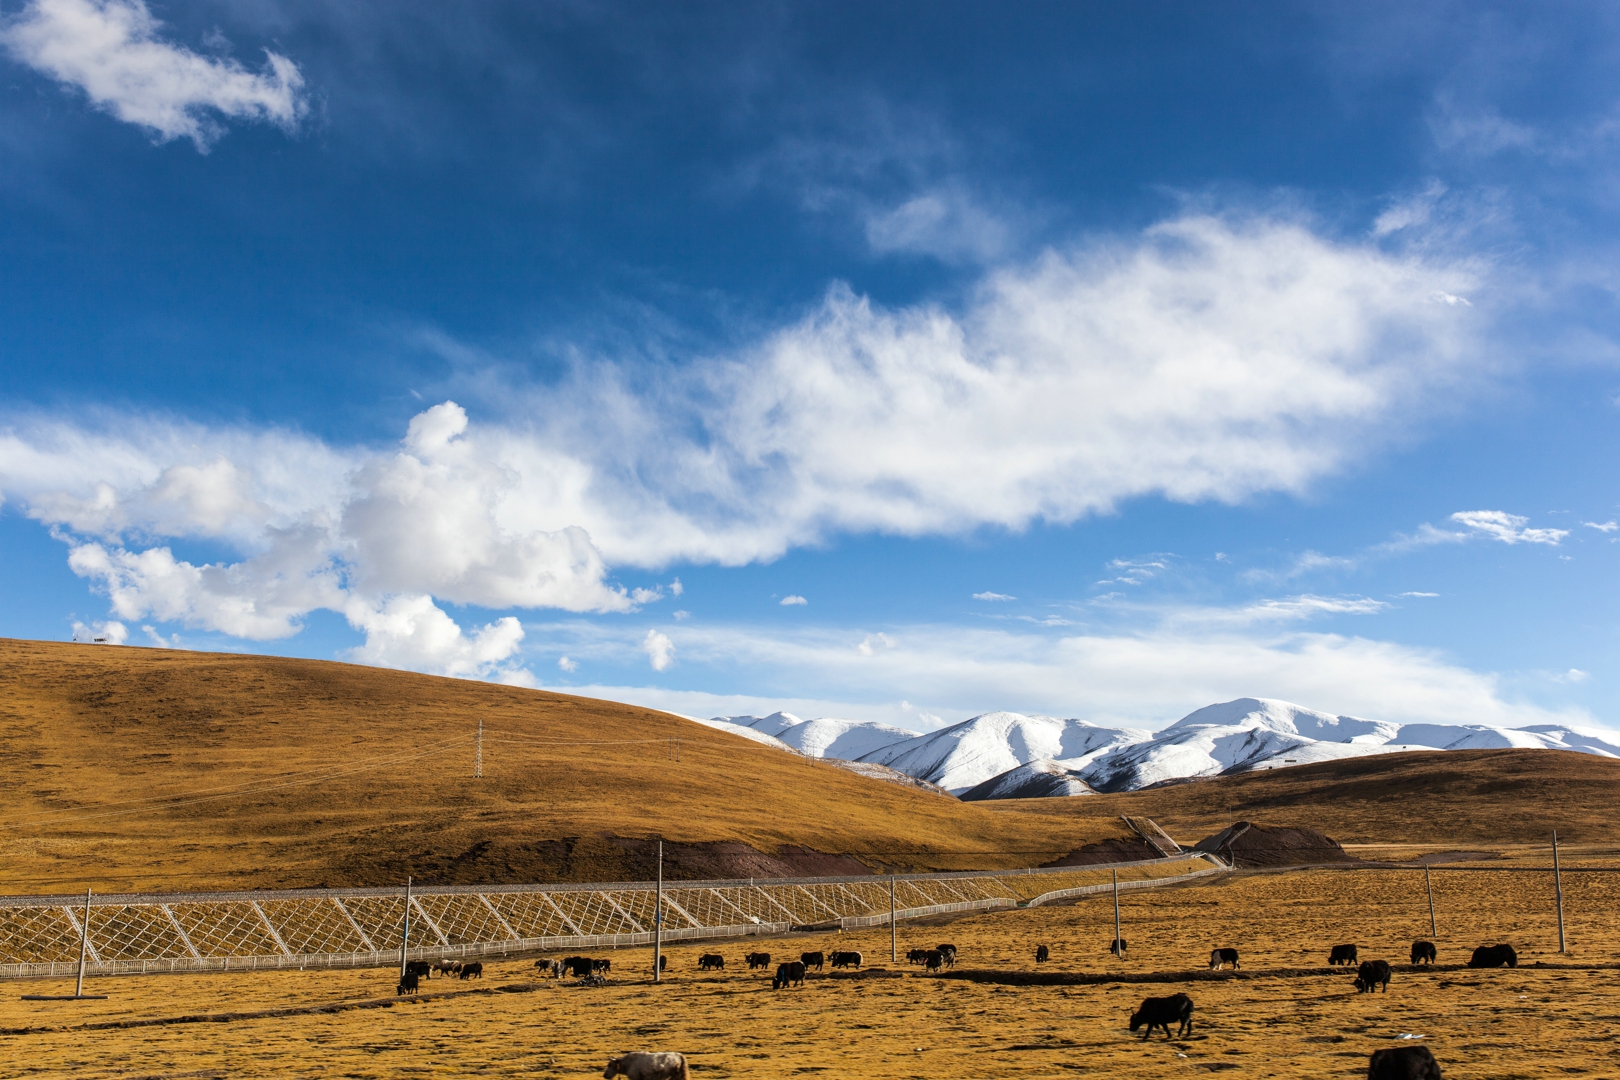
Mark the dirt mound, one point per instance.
(1246, 844)
(1122, 849)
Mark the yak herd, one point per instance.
(1396, 1063)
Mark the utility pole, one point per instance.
(478, 753)
(658, 918)
(1429, 885)
(84, 944)
(1558, 889)
(894, 947)
(405, 938)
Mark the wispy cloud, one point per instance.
(1508, 528)
(993, 596)
(1287, 609)
(1605, 526)
(114, 51)
(793, 601)
(1418, 594)
(1134, 571)
(1145, 678)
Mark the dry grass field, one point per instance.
(125, 769)
(1426, 799)
(1552, 1016)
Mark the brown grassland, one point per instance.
(128, 769)
(125, 769)
(1551, 1016)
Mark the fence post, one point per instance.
(405, 937)
(1429, 885)
(1558, 891)
(1119, 952)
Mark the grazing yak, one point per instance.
(1403, 1063)
(1221, 957)
(1042, 954)
(758, 960)
(1342, 954)
(712, 962)
(642, 1065)
(1422, 952)
(408, 983)
(578, 966)
(950, 953)
(1159, 1012)
(918, 956)
(447, 967)
(474, 970)
(788, 974)
(1118, 947)
(846, 959)
(812, 960)
(422, 969)
(1489, 956)
(1372, 973)
(934, 961)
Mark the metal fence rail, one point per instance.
(39, 936)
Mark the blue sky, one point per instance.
(898, 362)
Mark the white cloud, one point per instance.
(794, 601)
(1146, 678)
(872, 644)
(566, 664)
(993, 596)
(945, 223)
(676, 588)
(1205, 359)
(412, 632)
(660, 650)
(1508, 528)
(1573, 675)
(1285, 610)
(101, 633)
(1419, 594)
(1606, 526)
(113, 51)
(1133, 571)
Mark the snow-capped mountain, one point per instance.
(721, 723)
(1042, 778)
(828, 737)
(965, 755)
(1003, 755)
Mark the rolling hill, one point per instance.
(132, 768)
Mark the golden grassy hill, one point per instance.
(1432, 798)
(132, 768)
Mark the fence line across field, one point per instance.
(363, 927)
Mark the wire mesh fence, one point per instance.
(40, 936)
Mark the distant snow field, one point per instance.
(1008, 755)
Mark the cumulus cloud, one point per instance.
(413, 632)
(1205, 359)
(794, 601)
(101, 633)
(660, 650)
(566, 664)
(1508, 528)
(114, 52)
(993, 596)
